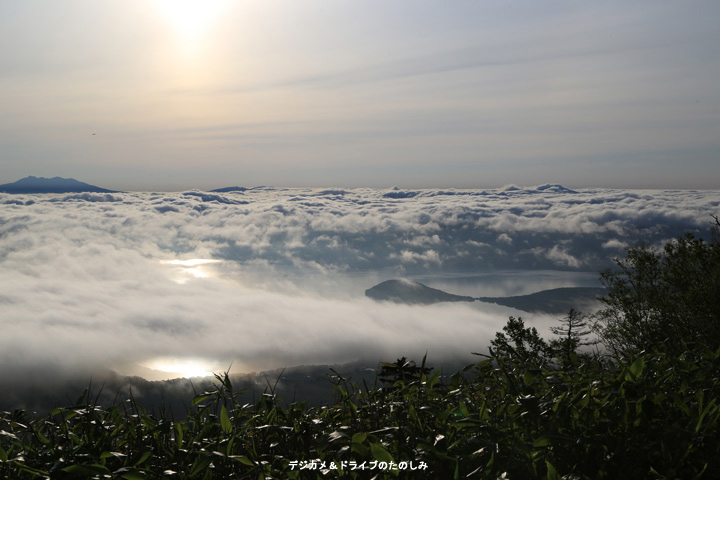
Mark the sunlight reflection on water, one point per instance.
(185, 270)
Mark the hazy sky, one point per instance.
(175, 94)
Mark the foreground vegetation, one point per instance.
(530, 408)
(638, 419)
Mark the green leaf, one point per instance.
(380, 453)
(540, 442)
(700, 395)
(42, 438)
(229, 447)
(106, 455)
(30, 470)
(710, 407)
(143, 458)
(434, 378)
(635, 369)
(178, 434)
(225, 422)
(552, 474)
(201, 463)
(85, 471)
(359, 449)
(200, 398)
(464, 409)
(130, 473)
(244, 460)
(414, 415)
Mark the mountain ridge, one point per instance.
(558, 300)
(229, 189)
(35, 184)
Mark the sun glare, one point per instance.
(191, 18)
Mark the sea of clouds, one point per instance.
(270, 277)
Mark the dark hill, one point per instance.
(33, 184)
(550, 301)
(229, 189)
(411, 292)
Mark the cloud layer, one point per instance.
(271, 277)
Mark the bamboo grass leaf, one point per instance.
(225, 422)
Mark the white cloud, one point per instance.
(561, 256)
(85, 280)
(504, 238)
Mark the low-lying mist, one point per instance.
(185, 284)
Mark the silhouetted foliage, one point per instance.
(573, 332)
(519, 344)
(668, 300)
(403, 370)
(648, 416)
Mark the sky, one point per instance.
(170, 95)
(192, 282)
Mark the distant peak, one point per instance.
(228, 189)
(406, 291)
(35, 184)
(554, 188)
(397, 193)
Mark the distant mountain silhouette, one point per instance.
(554, 188)
(411, 292)
(229, 189)
(549, 301)
(33, 184)
(552, 300)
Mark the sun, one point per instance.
(191, 18)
